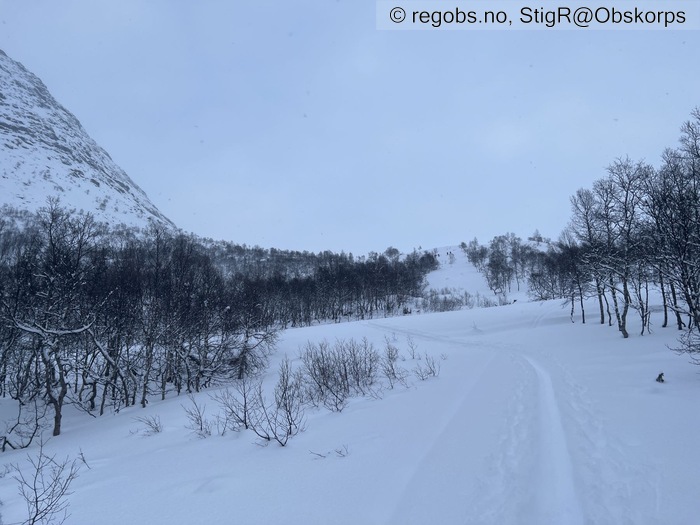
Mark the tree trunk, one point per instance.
(664, 298)
(573, 303)
(147, 373)
(616, 307)
(625, 309)
(674, 298)
(599, 290)
(55, 399)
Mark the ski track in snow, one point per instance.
(574, 471)
(557, 497)
(578, 470)
(441, 458)
(611, 479)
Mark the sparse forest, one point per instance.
(636, 230)
(103, 318)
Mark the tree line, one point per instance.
(636, 229)
(104, 317)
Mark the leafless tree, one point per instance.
(45, 487)
(239, 404)
(391, 369)
(197, 420)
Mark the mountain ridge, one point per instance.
(45, 152)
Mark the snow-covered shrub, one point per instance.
(44, 485)
(197, 421)
(152, 425)
(282, 418)
(237, 407)
(449, 299)
(428, 368)
(332, 374)
(247, 407)
(393, 372)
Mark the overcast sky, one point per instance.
(297, 124)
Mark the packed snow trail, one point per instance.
(507, 414)
(443, 477)
(558, 500)
(489, 420)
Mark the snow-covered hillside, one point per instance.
(533, 419)
(45, 152)
(456, 272)
(458, 282)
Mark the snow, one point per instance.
(533, 419)
(457, 275)
(45, 152)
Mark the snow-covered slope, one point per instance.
(532, 420)
(44, 152)
(458, 282)
(457, 273)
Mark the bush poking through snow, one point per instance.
(238, 406)
(412, 347)
(428, 368)
(282, 418)
(340, 452)
(197, 421)
(449, 299)
(152, 425)
(45, 487)
(328, 376)
(390, 367)
(333, 374)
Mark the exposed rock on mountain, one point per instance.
(45, 152)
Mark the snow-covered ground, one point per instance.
(457, 275)
(45, 152)
(532, 420)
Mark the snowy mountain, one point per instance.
(44, 152)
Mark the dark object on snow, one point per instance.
(660, 378)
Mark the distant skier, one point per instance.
(660, 378)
